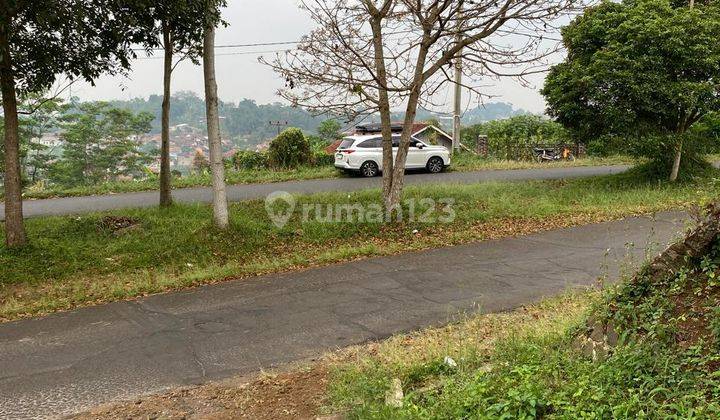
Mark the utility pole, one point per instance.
(279, 124)
(458, 86)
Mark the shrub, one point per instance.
(247, 159)
(513, 138)
(289, 150)
(322, 159)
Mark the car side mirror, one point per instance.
(420, 146)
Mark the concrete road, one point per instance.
(71, 361)
(76, 205)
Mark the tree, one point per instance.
(220, 206)
(178, 27)
(40, 40)
(100, 144)
(369, 56)
(329, 130)
(643, 70)
(200, 162)
(34, 157)
(290, 149)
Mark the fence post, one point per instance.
(482, 145)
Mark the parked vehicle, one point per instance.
(551, 154)
(363, 155)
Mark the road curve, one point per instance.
(78, 205)
(68, 362)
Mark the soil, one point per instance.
(297, 394)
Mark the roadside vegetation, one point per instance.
(94, 258)
(654, 355)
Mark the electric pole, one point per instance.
(458, 86)
(279, 124)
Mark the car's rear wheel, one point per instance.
(435, 165)
(369, 169)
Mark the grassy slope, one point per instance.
(525, 366)
(73, 261)
(464, 162)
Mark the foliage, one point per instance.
(329, 130)
(289, 150)
(72, 37)
(184, 22)
(643, 71)
(247, 159)
(99, 145)
(512, 138)
(35, 158)
(200, 163)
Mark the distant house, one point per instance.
(421, 131)
(50, 140)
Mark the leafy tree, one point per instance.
(290, 149)
(40, 40)
(178, 26)
(34, 157)
(329, 130)
(644, 70)
(99, 145)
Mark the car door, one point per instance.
(417, 154)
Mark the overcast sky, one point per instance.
(241, 76)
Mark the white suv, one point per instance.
(363, 154)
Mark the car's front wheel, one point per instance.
(369, 169)
(435, 165)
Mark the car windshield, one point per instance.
(346, 143)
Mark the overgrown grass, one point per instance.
(74, 261)
(233, 177)
(524, 364)
(463, 162)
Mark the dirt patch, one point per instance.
(117, 225)
(291, 395)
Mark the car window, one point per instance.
(346, 143)
(396, 141)
(372, 143)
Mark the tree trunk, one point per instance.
(220, 207)
(14, 226)
(165, 175)
(384, 107)
(678, 158)
(392, 199)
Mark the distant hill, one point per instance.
(248, 123)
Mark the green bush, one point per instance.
(514, 137)
(247, 159)
(322, 159)
(289, 150)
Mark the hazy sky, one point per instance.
(241, 76)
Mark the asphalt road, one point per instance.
(71, 361)
(77, 205)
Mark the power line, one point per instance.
(222, 54)
(257, 44)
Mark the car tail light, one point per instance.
(347, 151)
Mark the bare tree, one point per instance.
(371, 56)
(220, 206)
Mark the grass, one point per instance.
(524, 364)
(73, 261)
(233, 177)
(463, 162)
